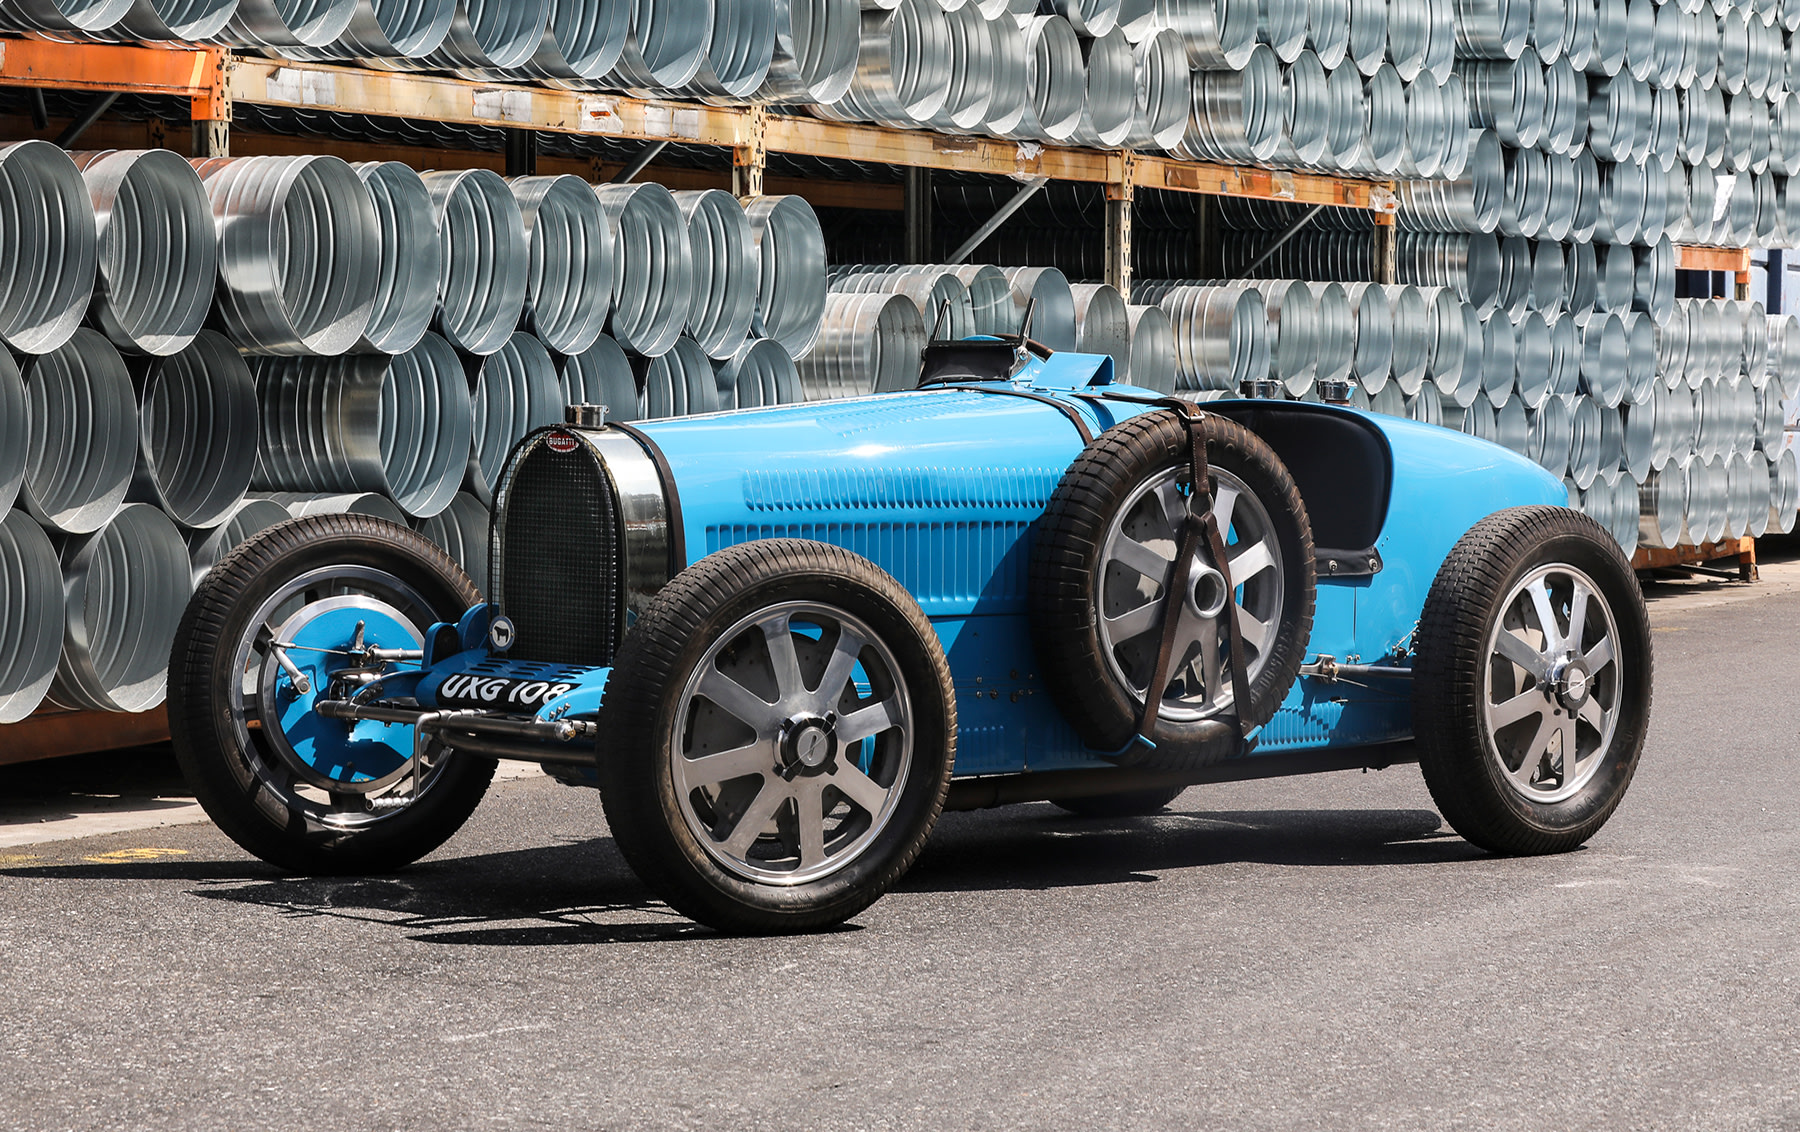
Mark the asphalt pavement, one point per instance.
(1313, 953)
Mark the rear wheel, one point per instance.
(1532, 694)
(258, 647)
(779, 734)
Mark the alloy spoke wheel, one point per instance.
(1136, 564)
(793, 742)
(1551, 688)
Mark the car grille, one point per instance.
(555, 556)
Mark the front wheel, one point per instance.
(1531, 697)
(779, 731)
(268, 633)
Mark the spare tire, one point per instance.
(1100, 564)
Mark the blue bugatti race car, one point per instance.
(782, 641)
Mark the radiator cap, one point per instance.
(585, 415)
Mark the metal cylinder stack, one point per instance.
(368, 359)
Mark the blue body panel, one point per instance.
(941, 488)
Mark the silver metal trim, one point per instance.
(643, 513)
(642, 507)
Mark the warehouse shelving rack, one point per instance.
(215, 80)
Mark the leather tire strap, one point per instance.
(1196, 525)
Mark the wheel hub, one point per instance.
(1573, 683)
(808, 744)
(1206, 590)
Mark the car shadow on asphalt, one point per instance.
(1040, 846)
(581, 893)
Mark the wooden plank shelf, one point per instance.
(1739, 552)
(1736, 260)
(215, 79)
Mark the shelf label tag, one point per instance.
(598, 116)
(507, 105)
(301, 87)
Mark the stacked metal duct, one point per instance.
(1350, 86)
(1724, 372)
(129, 446)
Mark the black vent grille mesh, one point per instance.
(558, 573)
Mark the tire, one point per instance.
(1130, 804)
(1127, 483)
(251, 782)
(1492, 737)
(700, 836)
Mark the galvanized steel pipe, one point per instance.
(725, 270)
(197, 423)
(513, 390)
(399, 426)
(1045, 291)
(412, 260)
(653, 272)
(462, 530)
(207, 548)
(157, 252)
(300, 504)
(125, 586)
(790, 298)
(1221, 34)
(1102, 325)
(761, 373)
(815, 50)
(867, 343)
(31, 628)
(679, 382)
(81, 448)
(299, 252)
(1152, 349)
(48, 247)
(569, 272)
(602, 375)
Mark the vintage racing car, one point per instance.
(782, 640)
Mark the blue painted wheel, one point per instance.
(308, 610)
(322, 638)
